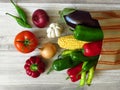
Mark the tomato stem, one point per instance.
(27, 42)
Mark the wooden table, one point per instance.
(12, 74)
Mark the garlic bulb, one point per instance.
(54, 30)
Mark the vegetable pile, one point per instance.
(80, 50)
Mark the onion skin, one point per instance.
(40, 18)
(48, 50)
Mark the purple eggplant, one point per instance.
(74, 17)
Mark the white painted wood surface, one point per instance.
(11, 61)
(67, 1)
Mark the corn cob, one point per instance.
(69, 42)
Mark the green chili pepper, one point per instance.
(90, 75)
(20, 21)
(20, 11)
(66, 52)
(79, 56)
(83, 75)
(90, 64)
(85, 33)
(61, 64)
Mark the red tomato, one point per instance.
(25, 42)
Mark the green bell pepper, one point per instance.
(89, 34)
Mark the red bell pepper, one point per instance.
(73, 73)
(34, 66)
(92, 49)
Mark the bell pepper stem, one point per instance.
(34, 67)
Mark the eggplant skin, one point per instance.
(79, 17)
